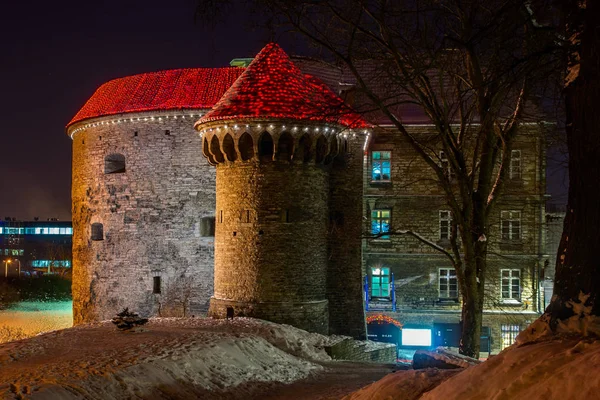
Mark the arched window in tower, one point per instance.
(265, 147)
(114, 163)
(97, 231)
(333, 150)
(321, 150)
(229, 148)
(246, 147)
(285, 147)
(206, 152)
(302, 151)
(215, 149)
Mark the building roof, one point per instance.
(272, 86)
(191, 88)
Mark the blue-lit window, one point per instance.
(381, 166)
(69, 231)
(1, 230)
(380, 282)
(380, 223)
(51, 263)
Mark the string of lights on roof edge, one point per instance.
(327, 130)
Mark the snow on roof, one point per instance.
(190, 88)
(274, 87)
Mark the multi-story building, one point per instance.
(28, 246)
(412, 283)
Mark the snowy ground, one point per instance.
(171, 358)
(27, 319)
(552, 365)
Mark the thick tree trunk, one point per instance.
(578, 265)
(472, 314)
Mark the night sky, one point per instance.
(56, 54)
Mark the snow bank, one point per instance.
(172, 358)
(403, 385)
(557, 368)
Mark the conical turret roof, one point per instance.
(273, 87)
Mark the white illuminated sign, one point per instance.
(416, 337)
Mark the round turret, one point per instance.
(273, 138)
(271, 219)
(143, 200)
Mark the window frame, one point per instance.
(380, 277)
(447, 219)
(445, 165)
(510, 284)
(508, 335)
(450, 273)
(515, 158)
(380, 160)
(380, 218)
(510, 218)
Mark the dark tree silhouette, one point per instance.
(577, 277)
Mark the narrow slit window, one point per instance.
(97, 231)
(156, 285)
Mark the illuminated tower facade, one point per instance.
(288, 157)
(143, 197)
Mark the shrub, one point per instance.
(8, 295)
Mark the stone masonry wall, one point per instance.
(271, 242)
(151, 216)
(344, 273)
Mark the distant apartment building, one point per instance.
(412, 284)
(28, 247)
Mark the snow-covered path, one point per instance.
(32, 317)
(171, 358)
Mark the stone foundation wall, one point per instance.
(150, 214)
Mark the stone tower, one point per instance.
(142, 198)
(289, 199)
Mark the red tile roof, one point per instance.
(273, 87)
(192, 88)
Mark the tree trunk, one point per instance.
(577, 267)
(472, 314)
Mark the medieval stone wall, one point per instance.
(150, 213)
(271, 238)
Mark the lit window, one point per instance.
(380, 282)
(511, 284)
(510, 224)
(380, 223)
(53, 231)
(63, 231)
(448, 284)
(381, 166)
(509, 334)
(1, 230)
(29, 231)
(445, 224)
(445, 165)
(38, 231)
(14, 252)
(69, 231)
(515, 164)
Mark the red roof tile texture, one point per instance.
(272, 86)
(192, 88)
